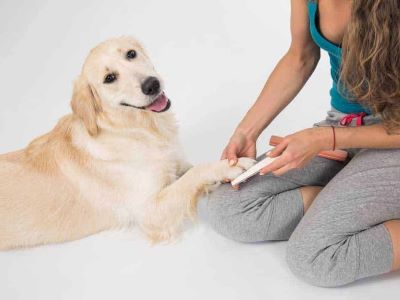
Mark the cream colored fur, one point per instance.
(105, 165)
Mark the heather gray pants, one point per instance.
(341, 238)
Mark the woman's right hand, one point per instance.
(240, 145)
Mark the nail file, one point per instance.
(338, 155)
(253, 170)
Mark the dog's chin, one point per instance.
(160, 104)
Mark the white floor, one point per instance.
(202, 265)
(215, 56)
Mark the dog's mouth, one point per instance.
(160, 104)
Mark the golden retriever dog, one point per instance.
(115, 161)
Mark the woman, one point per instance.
(352, 228)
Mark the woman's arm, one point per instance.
(284, 83)
(297, 149)
(288, 77)
(373, 136)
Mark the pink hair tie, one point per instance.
(347, 119)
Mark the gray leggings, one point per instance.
(341, 238)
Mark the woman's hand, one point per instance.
(296, 150)
(240, 145)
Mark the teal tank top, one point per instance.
(338, 98)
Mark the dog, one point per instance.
(114, 162)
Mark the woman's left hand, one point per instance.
(297, 150)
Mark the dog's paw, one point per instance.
(228, 173)
(246, 163)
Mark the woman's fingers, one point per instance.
(223, 155)
(283, 170)
(275, 165)
(278, 149)
(236, 187)
(281, 159)
(231, 155)
(252, 152)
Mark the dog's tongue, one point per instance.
(159, 104)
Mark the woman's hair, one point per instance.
(371, 58)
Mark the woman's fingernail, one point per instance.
(262, 173)
(231, 162)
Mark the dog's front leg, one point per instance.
(178, 201)
(183, 167)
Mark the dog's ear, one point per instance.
(85, 105)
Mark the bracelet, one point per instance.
(334, 138)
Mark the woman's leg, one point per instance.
(268, 207)
(308, 194)
(393, 227)
(342, 237)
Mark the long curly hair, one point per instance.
(370, 69)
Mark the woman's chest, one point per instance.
(333, 19)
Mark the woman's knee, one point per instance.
(320, 264)
(224, 214)
(247, 217)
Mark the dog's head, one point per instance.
(117, 78)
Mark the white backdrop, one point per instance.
(215, 56)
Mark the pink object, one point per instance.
(347, 119)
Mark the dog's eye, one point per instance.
(110, 78)
(131, 54)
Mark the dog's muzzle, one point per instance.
(160, 104)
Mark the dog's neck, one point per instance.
(138, 122)
(118, 135)
(71, 140)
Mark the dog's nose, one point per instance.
(151, 86)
